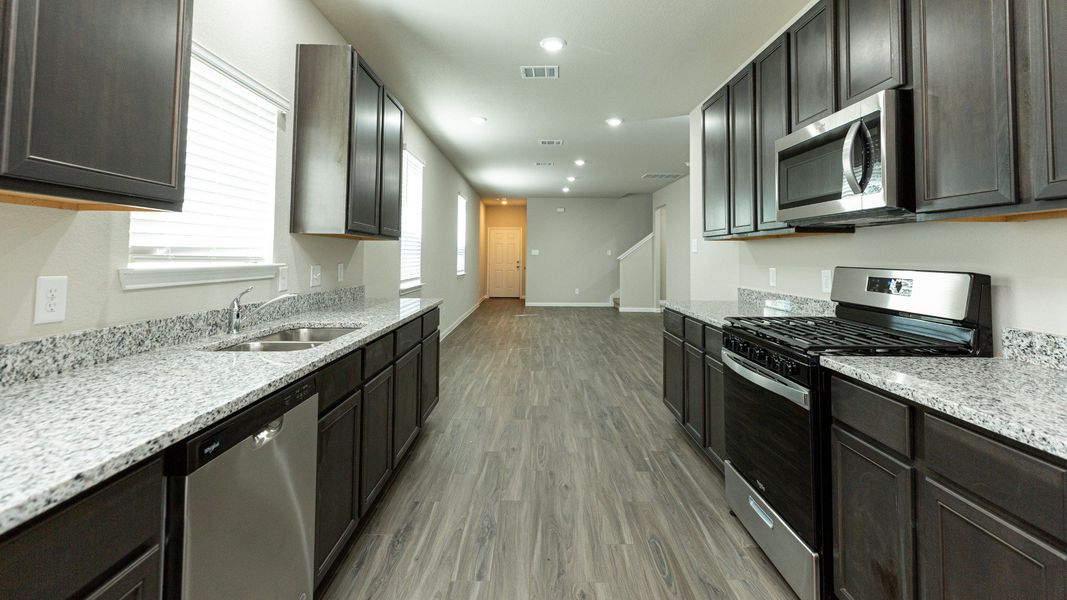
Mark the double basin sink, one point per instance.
(289, 340)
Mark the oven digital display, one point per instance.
(889, 285)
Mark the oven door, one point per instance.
(769, 440)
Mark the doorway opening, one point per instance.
(505, 248)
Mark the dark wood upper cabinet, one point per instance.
(716, 164)
(742, 136)
(674, 375)
(337, 483)
(694, 414)
(1048, 64)
(873, 521)
(870, 47)
(969, 552)
(376, 440)
(90, 114)
(364, 215)
(772, 122)
(811, 65)
(964, 132)
(392, 148)
(406, 403)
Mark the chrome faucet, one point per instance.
(237, 313)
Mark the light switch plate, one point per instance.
(827, 281)
(560, 209)
(316, 275)
(283, 278)
(340, 272)
(577, 291)
(772, 277)
(609, 252)
(50, 305)
(693, 245)
(535, 252)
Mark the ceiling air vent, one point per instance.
(542, 72)
(544, 163)
(550, 142)
(660, 176)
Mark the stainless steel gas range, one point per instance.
(777, 404)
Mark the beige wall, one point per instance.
(636, 282)
(505, 216)
(675, 197)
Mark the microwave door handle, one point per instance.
(846, 158)
(794, 393)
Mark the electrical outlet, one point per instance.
(577, 291)
(340, 272)
(51, 301)
(693, 245)
(772, 277)
(827, 281)
(560, 209)
(609, 252)
(283, 278)
(316, 275)
(535, 252)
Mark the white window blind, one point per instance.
(411, 223)
(228, 214)
(461, 235)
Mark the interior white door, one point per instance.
(505, 262)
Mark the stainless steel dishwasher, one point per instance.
(242, 503)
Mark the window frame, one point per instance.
(409, 159)
(461, 235)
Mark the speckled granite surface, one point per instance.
(1043, 349)
(1023, 402)
(63, 434)
(751, 303)
(25, 361)
(797, 305)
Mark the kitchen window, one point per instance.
(461, 236)
(411, 223)
(226, 228)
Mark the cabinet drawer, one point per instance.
(694, 332)
(430, 322)
(339, 379)
(713, 342)
(377, 355)
(880, 418)
(408, 336)
(1029, 488)
(673, 323)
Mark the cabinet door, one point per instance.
(406, 409)
(694, 415)
(364, 213)
(392, 147)
(337, 487)
(968, 552)
(716, 159)
(376, 442)
(772, 122)
(674, 375)
(90, 109)
(870, 47)
(964, 156)
(874, 549)
(715, 406)
(1048, 61)
(742, 130)
(431, 367)
(811, 65)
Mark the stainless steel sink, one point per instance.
(256, 346)
(307, 334)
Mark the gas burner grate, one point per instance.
(833, 334)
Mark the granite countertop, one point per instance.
(61, 435)
(1020, 401)
(714, 312)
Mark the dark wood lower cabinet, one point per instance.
(376, 454)
(715, 407)
(968, 551)
(874, 548)
(674, 375)
(694, 415)
(406, 403)
(431, 367)
(337, 491)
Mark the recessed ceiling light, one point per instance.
(479, 120)
(571, 179)
(614, 121)
(579, 162)
(553, 44)
(566, 189)
(503, 202)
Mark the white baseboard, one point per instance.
(628, 309)
(461, 319)
(572, 304)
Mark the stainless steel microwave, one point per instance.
(845, 168)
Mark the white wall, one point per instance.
(574, 246)
(675, 197)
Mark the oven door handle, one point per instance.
(743, 368)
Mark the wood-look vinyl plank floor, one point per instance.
(551, 469)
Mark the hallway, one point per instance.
(551, 469)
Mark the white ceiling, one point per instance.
(646, 61)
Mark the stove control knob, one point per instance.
(759, 354)
(775, 362)
(742, 348)
(790, 368)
